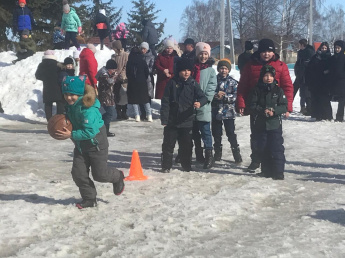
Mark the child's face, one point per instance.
(189, 47)
(169, 50)
(69, 67)
(70, 98)
(203, 57)
(66, 11)
(144, 50)
(25, 36)
(268, 78)
(337, 49)
(266, 56)
(21, 5)
(324, 48)
(184, 74)
(223, 71)
(111, 71)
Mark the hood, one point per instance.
(101, 72)
(89, 98)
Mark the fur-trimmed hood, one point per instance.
(89, 97)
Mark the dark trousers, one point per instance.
(184, 138)
(340, 111)
(108, 115)
(24, 55)
(102, 34)
(255, 156)
(124, 43)
(202, 130)
(153, 49)
(304, 93)
(70, 35)
(97, 159)
(59, 45)
(321, 106)
(48, 108)
(217, 132)
(269, 146)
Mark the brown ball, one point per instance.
(58, 122)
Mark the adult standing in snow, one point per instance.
(22, 18)
(245, 56)
(121, 34)
(303, 57)
(71, 25)
(150, 35)
(47, 71)
(206, 76)
(89, 65)
(337, 73)
(102, 26)
(319, 83)
(120, 87)
(165, 67)
(265, 55)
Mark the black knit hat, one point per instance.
(266, 45)
(111, 64)
(267, 69)
(68, 60)
(184, 64)
(189, 41)
(248, 45)
(339, 43)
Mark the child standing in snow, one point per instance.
(58, 38)
(22, 18)
(267, 103)
(71, 25)
(90, 139)
(223, 111)
(182, 95)
(88, 65)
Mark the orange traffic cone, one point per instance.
(135, 171)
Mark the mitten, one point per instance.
(79, 29)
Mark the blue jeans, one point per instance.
(147, 107)
(108, 115)
(205, 129)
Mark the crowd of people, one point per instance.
(196, 102)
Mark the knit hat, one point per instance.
(267, 69)
(189, 41)
(92, 48)
(74, 85)
(168, 43)
(26, 32)
(184, 64)
(248, 45)
(145, 45)
(339, 43)
(202, 47)
(116, 44)
(102, 11)
(111, 64)
(266, 45)
(224, 62)
(49, 54)
(68, 60)
(22, 2)
(65, 6)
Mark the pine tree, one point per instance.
(142, 10)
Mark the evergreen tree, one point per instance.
(142, 10)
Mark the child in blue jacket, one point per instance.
(22, 18)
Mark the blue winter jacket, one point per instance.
(22, 19)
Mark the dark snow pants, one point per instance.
(48, 108)
(340, 110)
(217, 132)
(184, 138)
(253, 142)
(95, 157)
(270, 149)
(70, 35)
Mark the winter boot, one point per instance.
(124, 112)
(262, 174)
(237, 154)
(253, 166)
(149, 118)
(209, 160)
(177, 159)
(1, 110)
(199, 154)
(218, 153)
(303, 111)
(166, 161)
(109, 134)
(87, 204)
(137, 118)
(118, 112)
(120, 185)
(279, 176)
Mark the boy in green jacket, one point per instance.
(27, 46)
(267, 103)
(90, 139)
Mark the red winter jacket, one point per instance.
(88, 66)
(251, 74)
(164, 61)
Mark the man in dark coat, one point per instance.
(47, 71)
(150, 35)
(245, 56)
(303, 57)
(102, 26)
(189, 49)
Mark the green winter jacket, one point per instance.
(208, 84)
(263, 97)
(70, 21)
(85, 116)
(27, 44)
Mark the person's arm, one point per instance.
(165, 104)
(252, 103)
(199, 95)
(33, 23)
(211, 86)
(286, 85)
(231, 95)
(89, 129)
(39, 74)
(282, 104)
(243, 87)
(159, 66)
(77, 20)
(92, 71)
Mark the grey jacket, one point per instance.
(150, 61)
(149, 33)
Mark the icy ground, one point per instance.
(223, 212)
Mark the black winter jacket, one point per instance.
(149, 33)
(337, 74)
(177, 106)
(303, 58)
(101, 18)
(189, 55)
(243, 59)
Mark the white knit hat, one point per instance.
(145, 45)
(102, 11)
(168, 43)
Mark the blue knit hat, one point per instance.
(74, 85)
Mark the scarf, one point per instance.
(196, 71)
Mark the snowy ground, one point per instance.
(224, 212)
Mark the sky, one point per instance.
(173, 9)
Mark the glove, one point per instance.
(79, 29)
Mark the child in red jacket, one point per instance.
(88, 65)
